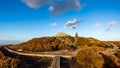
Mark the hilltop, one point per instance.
(61, 41)
(61, 34)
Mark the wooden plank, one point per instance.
(56, 62)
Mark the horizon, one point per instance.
(22, 20)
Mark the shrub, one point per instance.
(90, 58)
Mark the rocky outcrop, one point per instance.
(61, 34)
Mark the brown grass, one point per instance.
(90, 57)
(7, 62)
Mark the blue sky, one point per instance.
(19, 21)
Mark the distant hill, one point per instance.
(43, 44)
(5, 42)
(61, 41)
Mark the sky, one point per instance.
(22, 20)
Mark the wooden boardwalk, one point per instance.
(56, 62)
(55, 55)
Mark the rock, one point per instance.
(61, 34)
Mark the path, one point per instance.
(55, 55)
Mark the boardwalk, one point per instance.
(112, 50)
(55, 55)
(56, 62)
(115, 47)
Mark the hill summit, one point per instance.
(61, 34)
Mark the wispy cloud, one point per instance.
(53, 24)
(67, 5)
(56, 6)
(7, 37)
(36, 3)
(113, 23)
(10, 37)
(108, 29)
(75, 4)
(110, 25)
(72, 23)
(97, 24)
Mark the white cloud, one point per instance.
(62, 7)
(110, 25)
(56, 5)
(53, 24)
(113, 23)
(97, 24)
(73, 4)
(73, 24)
(58, 8)
(108, 29)
(36, 3)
